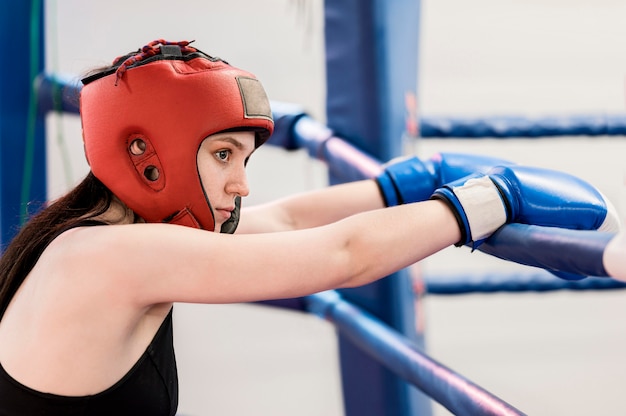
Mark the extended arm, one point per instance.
(158, 263)
(311, 209)
(403, 180)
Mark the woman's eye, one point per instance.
(222, 155)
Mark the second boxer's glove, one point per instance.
(528, 195)
(410, 179)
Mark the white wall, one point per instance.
(544, 353)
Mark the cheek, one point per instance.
(212, 177)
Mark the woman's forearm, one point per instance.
(311, 209)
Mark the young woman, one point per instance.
(87, 286)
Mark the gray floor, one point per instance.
(547, 354)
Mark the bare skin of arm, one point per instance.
(98, 294)
(184, 265)
(311, 209)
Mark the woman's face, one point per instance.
(222, 160)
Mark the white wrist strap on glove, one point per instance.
(483, 206)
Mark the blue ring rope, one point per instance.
(399, 355)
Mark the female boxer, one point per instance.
(88, 284)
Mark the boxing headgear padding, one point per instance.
(171, 105)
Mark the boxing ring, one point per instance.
(385, 369)
(296, 130)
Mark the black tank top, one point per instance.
(149, 388)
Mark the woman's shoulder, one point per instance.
(127, 251)
(89, 251)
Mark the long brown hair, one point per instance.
(87, 200)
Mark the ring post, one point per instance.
(22, 134)
(371, 69)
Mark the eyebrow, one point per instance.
(234, 142)
(231, 140)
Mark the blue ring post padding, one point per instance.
(398, 354)
(371, 101)
(22, 161)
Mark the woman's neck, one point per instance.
(118, 213)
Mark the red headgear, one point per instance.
(144, 120)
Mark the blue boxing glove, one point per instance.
(409, 179)
(522, 194)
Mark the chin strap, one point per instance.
(186, 218)
(230, 226)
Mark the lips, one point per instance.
(224, 212)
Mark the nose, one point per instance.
(238, 183)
